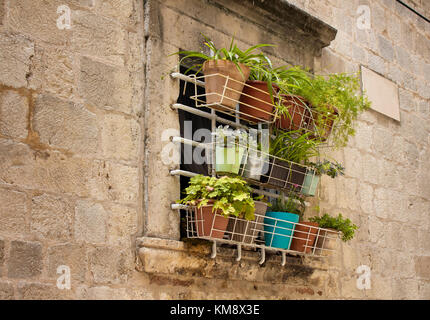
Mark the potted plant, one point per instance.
(281, 220)
(230, 148)
(289, 149)
(257, 99)
(256, 161)
(293, 110)
(316, 169)
(225, 71)
(215, 199)
(331, 226)
(333, 98)
(246, 231)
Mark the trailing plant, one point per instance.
(294, 146)
(331, 94)
(248, 57)
(231, 195)
(332, 169)
(338, 223)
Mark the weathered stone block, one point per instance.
(39, 20)
(96, 35)
(65, 125)
(15, 59)
(385, 48)
(52, 217)
(110, 265)
(42, 291)
(101, 293)
(123, 11)
(13, 114)
(122, 224)
(13, 211)
(53, 71)
(90, 222)
(105, 86)
(56, 172)
(422, 267)
(120, 137)
(71, 255)
(6, 290)
(25, 260)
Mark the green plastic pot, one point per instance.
(228, 159)
(310, 184)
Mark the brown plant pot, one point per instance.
(219, 89)
(247, 231)
(323, 123)
(278, 173)
(326, 242)
(210, 224)
(304, 237)
(297, 176)
(299, 114)
(256, 102)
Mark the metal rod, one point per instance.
(213, 255)
(180, 76)
(239, 252)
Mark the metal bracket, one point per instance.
(263, 256)
(239, 252)
(284, 259)
(213, 254)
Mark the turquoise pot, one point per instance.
(228, 159)
(310, 184)
(278, 231)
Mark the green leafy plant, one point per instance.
(294, 203)
(332, 169)
(247, 57)
(334, 97)
(294, 146)
(231, 195)
(338, 223)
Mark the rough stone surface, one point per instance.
(13, 211)
(82, 116)
(6, 290)
(65, 125)
(15, 57)
(25, 260)
(52, 217)
(13, 114)
(90, 222)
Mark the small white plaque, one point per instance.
(383, 93)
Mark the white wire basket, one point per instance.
(252, 102)
(261, 168)
(278, 231)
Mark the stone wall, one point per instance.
(82, 183)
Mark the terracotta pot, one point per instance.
(256, 102)
(322, 124)
(299, 113)
(219, 89)
(326, 242)
(210, 224)
(247, 231)
(304, 237)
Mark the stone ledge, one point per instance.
(192, 259)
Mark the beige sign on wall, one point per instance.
(383, 93)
